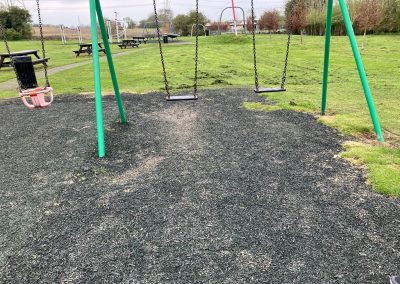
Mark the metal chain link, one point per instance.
(197, 51)
(3, 32)
(161, 49)
(289, 32)
(42, 42)
(254, 26)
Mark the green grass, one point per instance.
(383, 165)
(227, 61)
(59, 54)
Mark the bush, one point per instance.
(183, 23)
(17, 23)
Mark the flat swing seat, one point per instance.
(182, 98)
(269, 90)
(37, 97)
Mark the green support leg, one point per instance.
(97, 80)
(361, 70)
(110, 61)
(327, 51)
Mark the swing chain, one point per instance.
(3, 32)
(42, 43)
(289, 33)
(197, 50)
(253, 30)
(161, 49)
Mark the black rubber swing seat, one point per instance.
(182, 98)
(269, 90)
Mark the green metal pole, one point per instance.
(361, 70)
(110, 61)
(97, 80)
(327, 53)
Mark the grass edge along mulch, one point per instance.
(381, 161)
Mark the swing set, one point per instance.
(284, 72)
(28, 85)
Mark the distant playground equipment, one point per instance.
(120, 27)
(75, 33)
(233, 8)
(25, 74)
(285, 66)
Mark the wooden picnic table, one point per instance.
(5, 58)
(87, 48)
(140, 39)
(129, 43)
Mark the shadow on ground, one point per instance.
(191, 192)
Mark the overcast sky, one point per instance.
(67, 11)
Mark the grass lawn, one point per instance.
(58, 53)
(227, 62)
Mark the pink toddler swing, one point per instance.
(32, 96)
(37, 97)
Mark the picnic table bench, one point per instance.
(6, 58)
(128, 43)
(140, 39)
(87, 48)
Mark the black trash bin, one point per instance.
(26, 72)
(165, 39)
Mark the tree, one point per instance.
(165, 15)
(272, 20)
(269, 21)
(316, 22)
(131, 23)
(202, 18)
(223, 27)
(149, 22)
(262, 22)
(337, 21)
(368, 17)
(296, 16)
(183, 23)
(249, 23)
(164, 18)
(391, 20)
(17, 23)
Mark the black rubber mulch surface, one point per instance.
(191, 192)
